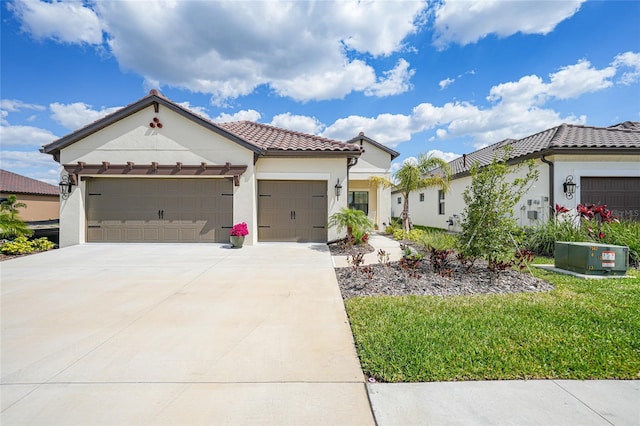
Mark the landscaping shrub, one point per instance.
(356, 222)
(585, 227)
(489, 230)
(22, 245)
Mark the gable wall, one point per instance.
(131, 139)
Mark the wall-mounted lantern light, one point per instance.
(66, 185)
(569, 187)
(338, 188)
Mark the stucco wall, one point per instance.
(579, 166)
(180, 140)
(373, 162)
(322, 169)
(426, 213)
(39, 207)
(535, 200)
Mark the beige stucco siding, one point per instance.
(373, 162)
(180, 140)
(39, 207)
(538, 198)
(579, 166)
(426, 212)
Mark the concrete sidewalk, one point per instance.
(377, 241)
(513, 402)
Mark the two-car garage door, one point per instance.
(159, 210)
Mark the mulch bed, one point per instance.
(392, 280)
(339, 249)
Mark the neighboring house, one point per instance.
(155, 171)
(42, 199)
(374, 161)
(602, 162)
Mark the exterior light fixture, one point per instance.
(66, 185)
(338, 188)
(569, 187)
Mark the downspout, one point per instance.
(552, 204)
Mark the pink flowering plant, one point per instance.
(239, 230)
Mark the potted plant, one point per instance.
(237, 234)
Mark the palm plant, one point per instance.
(427, 172)
(10, 223)
(351, 219)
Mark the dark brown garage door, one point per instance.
(292, 211)
(620, 194)
(159, 210)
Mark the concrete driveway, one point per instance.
(177, 334)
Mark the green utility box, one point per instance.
(592, 258)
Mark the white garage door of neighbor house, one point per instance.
(159, 210)
(292, 211)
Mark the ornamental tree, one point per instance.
(488, 225)
(427, 172)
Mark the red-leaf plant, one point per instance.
(590, 212)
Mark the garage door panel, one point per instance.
(620, 194)
(292, 211)
(157, 210)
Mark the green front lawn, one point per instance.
(584, 329)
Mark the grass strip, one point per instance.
(584, 329)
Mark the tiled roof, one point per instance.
(566, 137)
(274, 138)
(13, 183)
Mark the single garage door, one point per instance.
(292, 211)
(159, 210)
(621, 195)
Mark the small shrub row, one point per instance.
(22, 245)
(592, 224)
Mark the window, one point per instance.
(399, 200)
(440, 201)
(359, 200)
(421, 196)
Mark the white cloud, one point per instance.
(574, 80)
(388, 129)
(516, 110)
(32, 164)
(630, 60)
(76, 115)
(301, 123)
(201, 111)
(65, 22)
(14, 105)
(332, 83)
(446, 156)
(25, 136)
(245, 114)
(395, 81)
(468, 21)
(302, 50)
(446, 83)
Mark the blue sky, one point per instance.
(442, 77)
